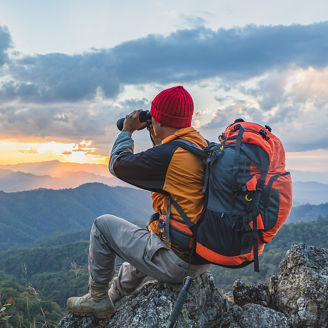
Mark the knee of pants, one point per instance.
(103, 220)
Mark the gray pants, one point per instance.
(145, 253)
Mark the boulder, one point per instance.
(252, 315)
(243, 294)
(300, 290)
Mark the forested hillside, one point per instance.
(307, 212)
(23, 307)
(30, 215)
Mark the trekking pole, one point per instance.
(179, 302)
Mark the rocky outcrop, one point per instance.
(301, 288)
(151, 305)
(296, 297)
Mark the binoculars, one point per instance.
(144, 116)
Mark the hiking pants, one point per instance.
(144, 252)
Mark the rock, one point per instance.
(253, 315)
(152, 304)
(296, 297)
(300, 290)
(72, 321)
(243, 294)
(203, 306)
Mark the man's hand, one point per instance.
(132, 123)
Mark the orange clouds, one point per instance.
(14, 152)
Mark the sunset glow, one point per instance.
(14, 152)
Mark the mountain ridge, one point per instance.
(27, 215)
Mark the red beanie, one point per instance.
(173, 107)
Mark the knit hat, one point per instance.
(173, 107)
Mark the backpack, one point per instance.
(248, 196)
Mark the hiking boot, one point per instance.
(96, 303)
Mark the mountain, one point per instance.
(54, 175)
(309, 193)
(56, 168)
(307, 212)
(29, 215)
(18, 181)
(11, 181)
(309, 176)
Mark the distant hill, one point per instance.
(56, 168)
(54, 175)
(309, 193)
(29, 215)
(307, 212)
(309, 176)
(11, 181)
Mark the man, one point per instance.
(166, 169)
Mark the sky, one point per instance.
(69, 69)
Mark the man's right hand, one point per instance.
(132, 123)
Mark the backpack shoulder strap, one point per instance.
(194, 149)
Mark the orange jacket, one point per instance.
(184, 179)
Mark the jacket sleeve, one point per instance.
(146, 170)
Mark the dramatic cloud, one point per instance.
(294, 103)
(87, 120)
(5, 43)
(183, 56)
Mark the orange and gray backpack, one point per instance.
(248, 195)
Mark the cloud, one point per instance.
(66, 122)
(294, 103)
(5, 43)
(183, 56)
(58, 78)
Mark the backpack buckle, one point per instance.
(260, 185)
(264, 134)
(268, 128)
(161, 225)
(236, 128)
